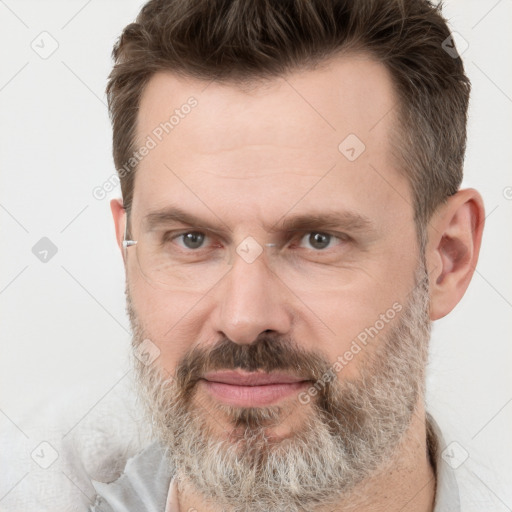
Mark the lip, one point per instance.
(243, 378)
(252, 389)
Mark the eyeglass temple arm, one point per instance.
(127, 243)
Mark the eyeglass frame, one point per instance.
(128, 243)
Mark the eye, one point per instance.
(189, 239)
(320, 241)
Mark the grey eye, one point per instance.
(193, 239)
(319, 240)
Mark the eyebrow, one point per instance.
(174, 214)
(347, 220)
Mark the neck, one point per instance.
(406, 483)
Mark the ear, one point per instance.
(119, 215)
(454, 237)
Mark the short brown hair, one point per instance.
(242, 40)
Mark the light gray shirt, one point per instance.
(147, 484)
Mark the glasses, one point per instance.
(192, 258)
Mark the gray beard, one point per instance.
(351, 429)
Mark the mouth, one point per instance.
(252, 389)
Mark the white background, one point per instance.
(64, 331)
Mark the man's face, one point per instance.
(219, 305)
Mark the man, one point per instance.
(291, 224)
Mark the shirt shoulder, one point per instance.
(143, 486)
(447, 498)
(465, 483)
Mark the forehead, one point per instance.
(252, 147)
(345, 94)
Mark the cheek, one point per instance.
(359, 317)
(169, 319)
(349, 319)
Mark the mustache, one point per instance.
(269, 352)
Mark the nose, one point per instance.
(251, 300)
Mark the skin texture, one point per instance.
(246, 159)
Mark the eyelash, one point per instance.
(170, 236)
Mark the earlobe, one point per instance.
(455, 234)
(119, 216)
